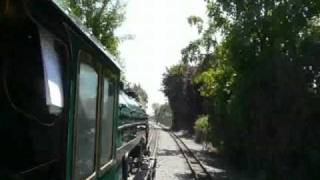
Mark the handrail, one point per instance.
(125, 126)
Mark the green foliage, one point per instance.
(184, 99)
(202, 124)
(215, 81)
(202, 128)
(177, 70)
(142, 95)
(262, 80)
(163, 114)
(137, 92)
(196, 21)
(101, 17)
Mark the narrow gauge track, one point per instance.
(197, 169)
(153, 145)
(148, 168)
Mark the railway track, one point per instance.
(153, 144)
(147, 170)
(197, 169)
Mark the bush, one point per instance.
(202, 124)
(201, 127)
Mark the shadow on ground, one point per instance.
(218, 166)
(184, 176)
(167, 152)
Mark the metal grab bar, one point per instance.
(126, 126)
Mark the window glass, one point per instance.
(52, 71)
(106, 123)
(86, 120)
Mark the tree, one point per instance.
(137, 92)
(184, 99)
(163, 114)
(262, 79)
(155, 107)
(101, 17)
(142, 95)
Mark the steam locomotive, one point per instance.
(63, 113)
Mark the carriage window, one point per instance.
(106, 123)
(86, 120)
(52, 71)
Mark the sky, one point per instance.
(160, 30)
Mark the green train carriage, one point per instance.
(59, 93)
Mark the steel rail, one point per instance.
(148, 168)
(197, 169)
(152, 165)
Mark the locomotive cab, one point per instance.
(59, 93)
(32, 97)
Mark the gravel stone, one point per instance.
(171, 164)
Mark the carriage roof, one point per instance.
(76, 23)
